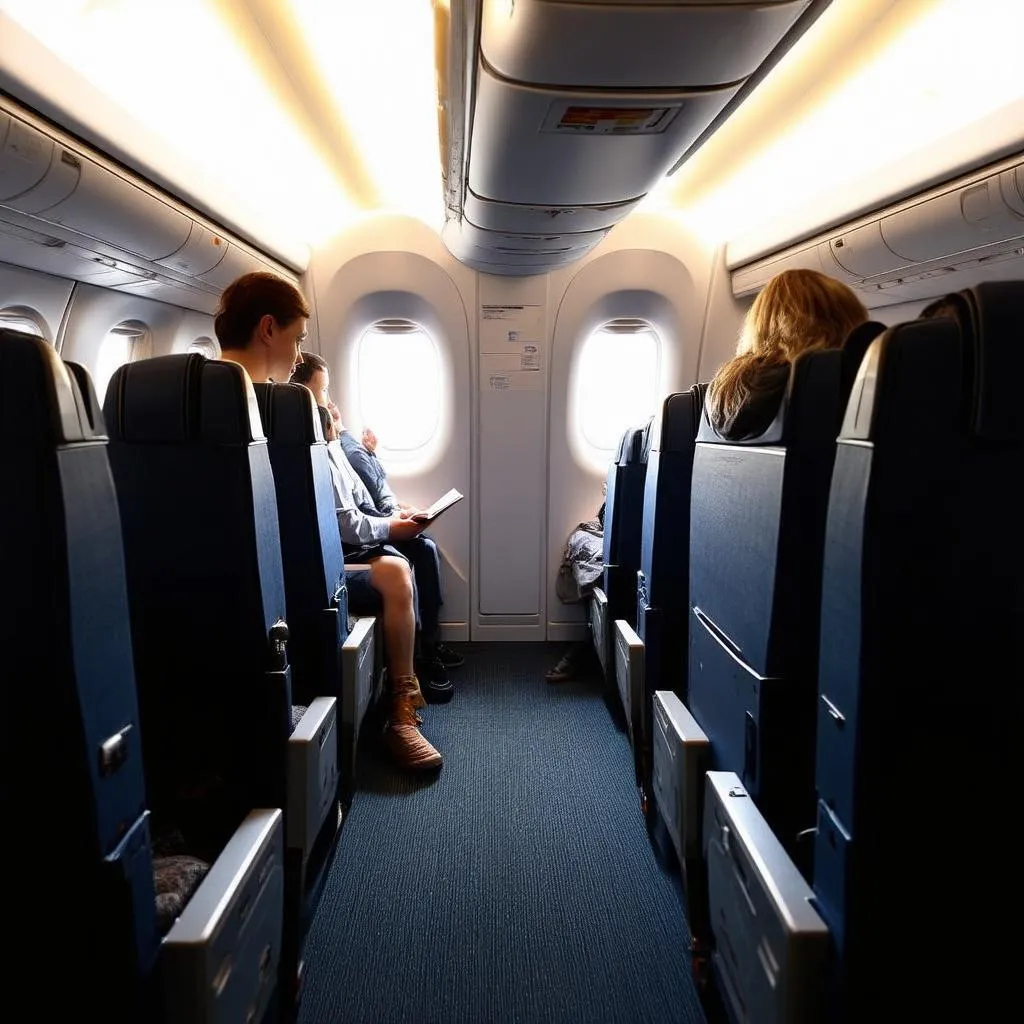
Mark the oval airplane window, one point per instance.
(205, 346)
(617, 378)
(23, 320)
(399, 377)
(127, 341)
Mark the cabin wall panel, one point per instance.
(94, 311)
(44, 294)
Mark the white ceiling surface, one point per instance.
(279, 118)
(879, 99)
(286, 120)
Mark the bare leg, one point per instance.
(391, 577)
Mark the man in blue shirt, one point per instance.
(435, 658)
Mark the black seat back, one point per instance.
(623, 520)
(920, 678)
(205, 583)
(314, 568)
(757, 526)
(73, 776)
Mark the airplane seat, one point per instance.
(616, 598)
(207, 607)
(757, 526)
(662, 581)
(64, 601)
(327, 656)
(919, 680)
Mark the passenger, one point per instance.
(362, 456)
(421, 551)
(261, 324)
(796, 311)
(581, 570)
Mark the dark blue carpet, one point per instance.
(520, 885)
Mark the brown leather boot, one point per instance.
(402, 738)
(418, 700)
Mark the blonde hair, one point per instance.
(796, 311)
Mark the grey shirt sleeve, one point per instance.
(356, 527)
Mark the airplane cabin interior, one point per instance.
(727, 718)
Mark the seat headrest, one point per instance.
(678, 420)
(38, 397)
(854, 349)
(289, 415)
(89, 404)
(647, 437)
(631, 446)
(182, 399)
(994, 338)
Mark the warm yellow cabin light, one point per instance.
(177, 69)
(378, 61)
(926, 79)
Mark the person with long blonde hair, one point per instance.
(797, 311)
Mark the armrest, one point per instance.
(357, 669)
(629, 673)
(219, 961)
(762, 911)
(598, 626)
(680, 752)
(312, 773)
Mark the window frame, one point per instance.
(207, 347)
(140, 338)
(10, 316)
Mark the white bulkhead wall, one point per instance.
(503, 431)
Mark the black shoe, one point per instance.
(448, 656)
(434, 682)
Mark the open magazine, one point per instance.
(428, 515)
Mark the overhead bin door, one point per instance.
(580, 147)
(633, 46)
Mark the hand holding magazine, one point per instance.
(428, 515)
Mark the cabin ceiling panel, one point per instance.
(632, 45)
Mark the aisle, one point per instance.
(518, 886)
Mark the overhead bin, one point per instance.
(24, 157)
(235, 262)
(580, 147)
(863, 252)
(651, 45)
(1011, 185)
(35, 174)
(473, 246)
(496, 216)
(202, 251)
(959, 220)
(953, 228)
(509, 241)
(106, 206)
(816, 256)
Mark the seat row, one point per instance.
(181, 654)
(824, 711)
